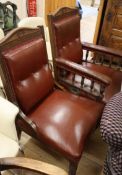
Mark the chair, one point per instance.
(111, 131)
(98, 81)
(34, 22)
(59, 120)
(30, 166)
(9, 146)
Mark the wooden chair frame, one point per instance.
(76, 69)
(12, 41)
(29, 164)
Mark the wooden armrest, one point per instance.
(106, 50)
(30, 164)
(27, 120)
(80, 70)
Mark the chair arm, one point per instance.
(27, 120)
(99, 48)
(96, 80)
(30, 164)
(80, 70)
(58, 86)
(30, 125)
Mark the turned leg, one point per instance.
(73, 168)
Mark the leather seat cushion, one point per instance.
(116, 77)
(64, 121)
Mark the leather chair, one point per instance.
(59, 119)
(29, 166)
(111, 132)
(9, 146)
(98, 81)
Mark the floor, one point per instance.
(92, 159)
(91, 162)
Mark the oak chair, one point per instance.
(58, 119)
(97, 80)
(29, 166)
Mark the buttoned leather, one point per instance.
(66, 31)
(31, 75)
(62, 121)
(68, 38)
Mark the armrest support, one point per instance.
(27, 120)
(82, 88)
(106, 50)
(80, 70)
(30, 164)
(57, 85)
(30, 125)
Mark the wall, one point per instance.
(21, 7)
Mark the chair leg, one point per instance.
(73, 168)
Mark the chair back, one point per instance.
(25, 67)
(34, 22)
(65, 38)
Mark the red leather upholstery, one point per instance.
(68, 38)
(30, 75)
(64, 27)
(60, 120)
(65, 121)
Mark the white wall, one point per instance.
(21, 7)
